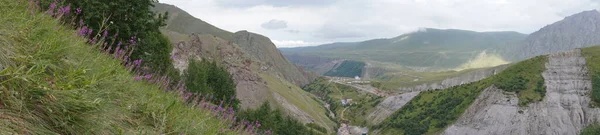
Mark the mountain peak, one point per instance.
(585, 14)
(575, 31)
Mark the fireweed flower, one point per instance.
(105, 34)
(78, 11)
(83, 31)
(66, 10)
(51, 9)
(89, 32)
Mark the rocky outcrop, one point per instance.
(262, 48)
(389, 106)
(564, 110)
(472, 76)
(250, 88)
(576, 31)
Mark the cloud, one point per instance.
(296, 43)
(274, 24)
(293, 31)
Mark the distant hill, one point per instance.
(428, 48)
(575, 31)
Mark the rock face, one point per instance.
(351, 130)
(389, 106)
(263, 49)
(564, 110)
(250, 88)
(576, 31)
(459, 80)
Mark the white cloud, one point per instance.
(296, 43)
(356, 20)
(274, 24)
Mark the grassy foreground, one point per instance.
(54, 83)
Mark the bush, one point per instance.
(208, 78)
(275, 121)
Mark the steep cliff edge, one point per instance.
(263, 49)
(564, 110)
(180, 24)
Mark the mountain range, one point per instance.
(449, 49)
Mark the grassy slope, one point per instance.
(348, 68)
(592, 57)
(301, 99)
(431, 111)
(391, 81)
(593, 63)
(185, 23)
(57, 84)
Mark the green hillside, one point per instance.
(182, 22)
(431, 48)
(347, 69)
(55, 83)
(431, 111)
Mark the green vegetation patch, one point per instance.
(592, 56)
(347, 69)
(431, 111)
(593, 129)
(274, 121)
(524, 78)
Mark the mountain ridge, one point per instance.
(575, 31)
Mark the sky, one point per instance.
(295, 23)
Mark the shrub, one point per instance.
(125, 19)
(274, 121)
(209, 79)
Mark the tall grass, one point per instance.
(55, 82)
